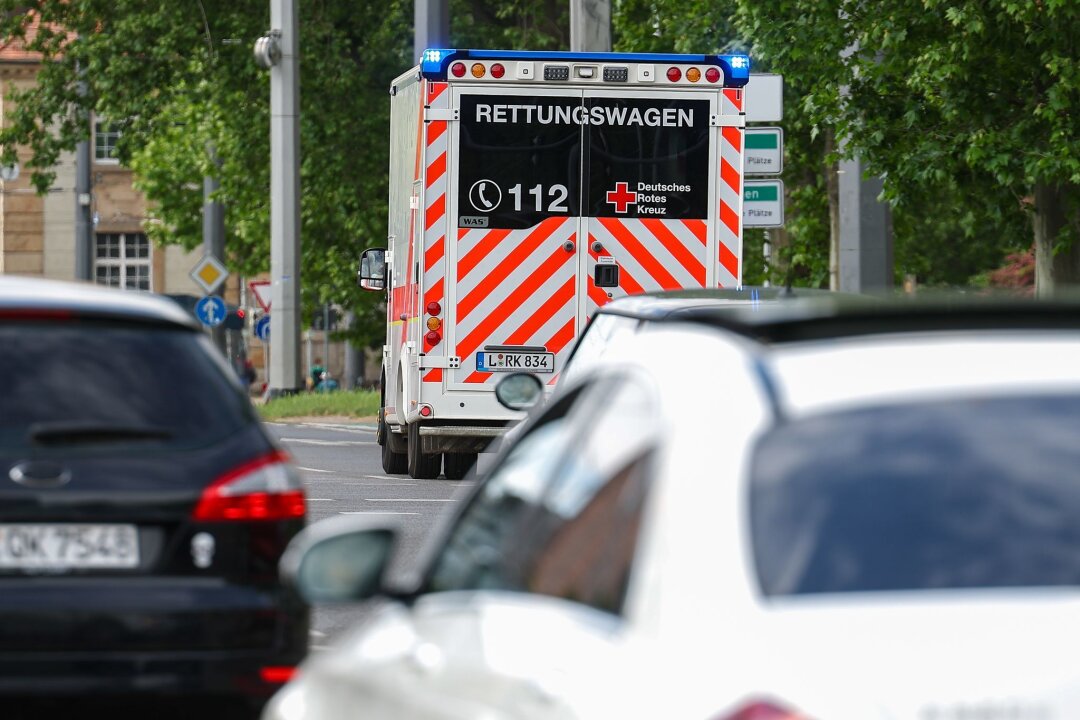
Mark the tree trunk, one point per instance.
(832, 186)
(1054, 271)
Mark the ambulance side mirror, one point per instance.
(372, 272)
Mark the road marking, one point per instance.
(320, 499)
(373, 512)
(306, 441)
(403, 500)
(314, 470)
(381, 477)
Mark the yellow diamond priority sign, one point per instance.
(209, 273)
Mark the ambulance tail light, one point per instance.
(712, 75)
(433, 338)
(434, 308)
(497, 70)
(426, 411)
(434, 323)
(674, 74)
(458, 69)
(478, 70)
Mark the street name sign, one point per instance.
(763, 203)
(764, 151)
(209, 273)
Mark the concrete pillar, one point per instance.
(866, 248)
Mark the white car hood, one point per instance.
(915, 656)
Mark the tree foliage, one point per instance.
(180, 81)
(963, 106)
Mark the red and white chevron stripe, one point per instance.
(729, 227)
(515, 287)
(436, 137)
(652, 254)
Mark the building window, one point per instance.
(106, 135)
(122, 260)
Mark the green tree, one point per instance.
(982, 95)
(963, 106)
(179, 79)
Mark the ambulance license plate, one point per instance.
(515, 362)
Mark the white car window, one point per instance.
(599, 333)
(561, 515)
(964, 492)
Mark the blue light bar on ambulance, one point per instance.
(435, 62)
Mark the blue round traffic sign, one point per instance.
(211, 311)
(262, 328)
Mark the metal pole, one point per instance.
(285, 201)
(431, 25)
(326, 336)
(83, 225)
(865, 253)
(590, 25)
(213, 230)
(352, 357)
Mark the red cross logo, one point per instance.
(621, 197)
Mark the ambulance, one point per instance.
(526, 190)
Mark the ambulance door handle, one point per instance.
(568, 246)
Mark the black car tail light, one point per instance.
(266, 488)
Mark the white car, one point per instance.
(871, 515)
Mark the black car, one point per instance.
(143, 507)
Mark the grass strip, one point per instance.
(355, 403)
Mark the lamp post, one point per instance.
(278, 51)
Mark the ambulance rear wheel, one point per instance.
(456, 465)
(422, 466)
(393, 463)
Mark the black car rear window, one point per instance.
(972, 493)
(120, 378)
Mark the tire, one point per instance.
(422, 466)
(456, 465)
(393, 463)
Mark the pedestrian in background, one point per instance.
(316, 373)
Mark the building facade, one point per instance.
(37, 233)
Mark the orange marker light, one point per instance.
(693, 74)
(478, 70)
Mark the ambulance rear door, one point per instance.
(514, 255)
(649, 189)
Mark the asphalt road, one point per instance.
(343, 475)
